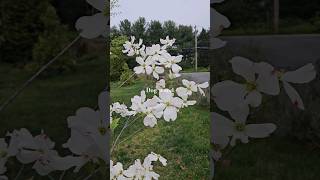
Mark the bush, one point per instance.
(50, 42)
(126, 75)
(117, 59)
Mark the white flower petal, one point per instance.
(170, 113)
(260, 130)
(302, 75)
(243, 67)
(293, 95)
(254, 98)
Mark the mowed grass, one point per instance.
(273, 158)
(184, 142)
(47, 102)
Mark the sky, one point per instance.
(186, 12)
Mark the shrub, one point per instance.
(126, 75)
(50, 42)
(117, 59)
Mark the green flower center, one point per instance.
(251, 86)
(240, 127)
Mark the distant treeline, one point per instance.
(152, 31)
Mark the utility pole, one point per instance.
(276, 16)
(196, 47)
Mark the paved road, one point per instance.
(199, 77)
(280, 50)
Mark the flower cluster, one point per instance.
(237, 99)
(166, 102)
(37, 150)
(153, 60)
(138, 170)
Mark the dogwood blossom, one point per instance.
(89, 138)
(38, 149)
(149, 107)
(161, 84)
(169, 104)
(137, 171)
(167, 42)
(171, 62)
(116, 171)
(238, 129)
(272, 76)
(131, 48)
(121, 109)
(202, 86)
(145, 66)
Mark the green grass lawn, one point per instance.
(271, 159)
(47, 102)
(185, 142)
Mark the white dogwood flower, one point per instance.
(171, 62)
(161, 84)
(89, 138)
(121, 109)
(238, 129)
(272, 76)
(93, 26)
(167, 42)
(202, 86)
(38, 149)
(156, 70)
(253, 86)
(152, 111)
(191, 86)
(145, 66)
(131, 48)
(155, 49)
(169, 104)
(156, 157)
(116, 171)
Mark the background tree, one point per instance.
(139, 28)
(170, 28)
(154, 32)
(185, 36)
(125, 28)
(50, 42)
(20, 27)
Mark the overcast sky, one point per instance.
(186, 12)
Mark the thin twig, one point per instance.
(126, 80)
(29, 81)
(62, 175)
(50, 177)
(132, 135)
(19, 173)
(90, 176)
(122, 130)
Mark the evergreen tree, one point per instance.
(51, 41)
(139, 28)
(125, 28)
(154, 32)
(20, 26)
